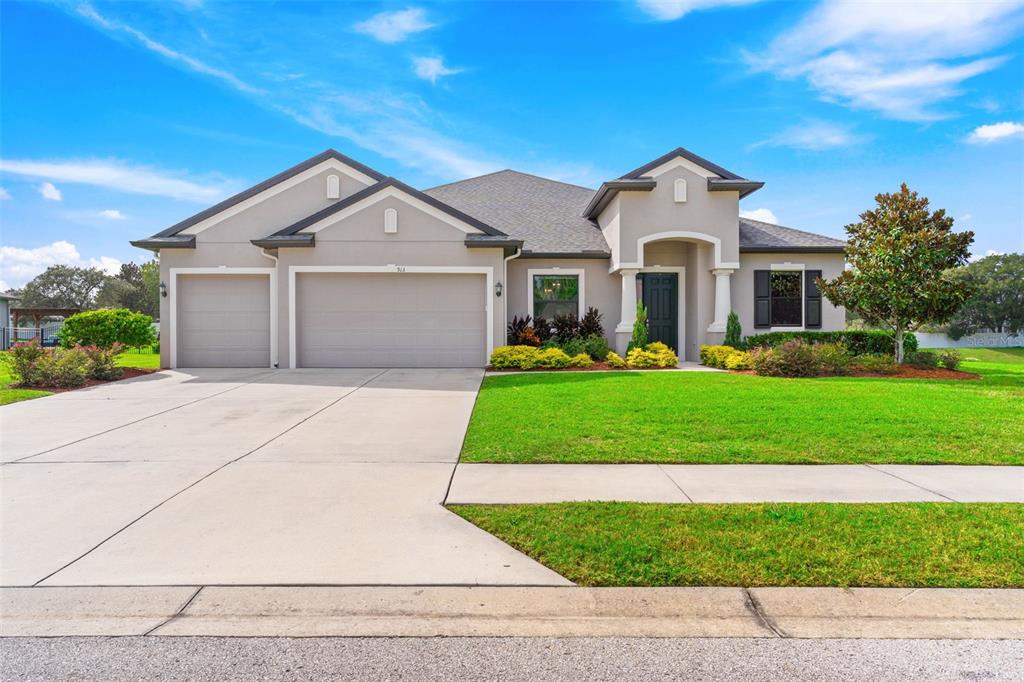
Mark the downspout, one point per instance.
(504, 280)
(266, 254)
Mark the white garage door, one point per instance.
(223, 321)
(390, 320)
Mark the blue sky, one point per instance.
(119, 119)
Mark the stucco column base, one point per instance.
(622, 340)
(715, 338)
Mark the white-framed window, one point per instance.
(555, 291)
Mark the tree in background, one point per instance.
(997, 303)
(126, 289)
(151, 288)
(900, 256)
(63, 286)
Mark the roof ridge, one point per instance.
(517, 172)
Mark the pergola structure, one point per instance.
(39, 314)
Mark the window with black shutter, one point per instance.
(812, 312)
(779, 300)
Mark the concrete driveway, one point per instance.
(246, 477)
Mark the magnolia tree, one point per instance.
(900, 256)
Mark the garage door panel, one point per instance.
(390, 320)
(223, 321)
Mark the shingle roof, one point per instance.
(545, 214)
(758, 236)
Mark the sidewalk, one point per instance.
(512, 612)
(539, 483)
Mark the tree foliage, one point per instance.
(63, 286)
(106, 327)
(997, 303)
(900, 256)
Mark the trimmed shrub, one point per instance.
(833, 358)
(858, 342)
(766, 362)
(950, 358)
(553, 358)
(877, 363)
(740, 360)
(922, 359)
(22, 359)
(102, 362)
(615, 360)
(716, 356)
(590, 324)
(515, 357)
(794, 358)
(733, 331)
(32, 365)
(595, 346)
(654, 354)
(581, 360)
(104, 328)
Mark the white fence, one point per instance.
(984, 340)
(11, 335)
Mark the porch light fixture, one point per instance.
(498, 286)
(163, 290)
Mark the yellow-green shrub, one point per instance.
(716, 356)
(615, 360)
(553, 358)
(581, 360)
(654, 354)
(739, 360)
(515, 357)
(666, 356)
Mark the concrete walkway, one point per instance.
(246, 477)
(513, 611)
(538, 483)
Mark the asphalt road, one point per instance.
(462, 659)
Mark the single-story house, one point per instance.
(333, 264)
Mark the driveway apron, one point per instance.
(257, 477)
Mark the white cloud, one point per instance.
(18, 266)
(432, 68)
(112, 214)
(4, 194)
(394, 27)
(897, 58)
(996, 131)
(813, 136)
(670, 10)
(120, 176)
(991, 252)
(89, 12)
(49, 191)
(765, 215)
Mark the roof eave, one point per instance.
(492, 243)
(792, 249)
(744, 187)
(286, 241)
(173, 242)
(602, 255)
(608, 190)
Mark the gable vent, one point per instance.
(333, 186)
(390, 221)
(680, 190)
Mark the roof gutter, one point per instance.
(172, 242)
(608, 190)
(744, 187)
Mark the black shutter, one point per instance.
(812, 300)
(762, 298)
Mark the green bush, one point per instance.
(104, 328)
(581, 360)
(950, 358)
(733, 331)
(639, 338)
(923, 359)
(858, 342)
(615, 360)
(655, 354)
(514, 357)
(794, 358)
(716, 356)
(102, 362)
(833, 358)
(877, 363)
(32, 365)
(595, 346)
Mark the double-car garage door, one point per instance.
(341, 320)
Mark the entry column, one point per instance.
(624, 330)
(723, 299)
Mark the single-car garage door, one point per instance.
(223, 321)
(390, 320)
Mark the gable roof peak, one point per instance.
(683, 153)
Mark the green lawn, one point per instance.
(881, 545)
(698, 417)
(146, 360)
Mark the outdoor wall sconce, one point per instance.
(498, 286)
(163, 290)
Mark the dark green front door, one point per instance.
(661, 298)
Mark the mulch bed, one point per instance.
(126, 373)
(597, 366)
(905, 372)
